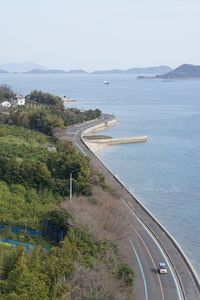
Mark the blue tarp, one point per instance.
(28, 246)
(18, 229)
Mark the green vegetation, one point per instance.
(25, 160)
(43, 275)
(127, 274)
(45, 98)
(34, 180)
(47, 115)
(5, 93)
(24, 206)
(46, 120)
(23, 143)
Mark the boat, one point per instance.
(106, 82)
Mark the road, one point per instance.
(149, 242)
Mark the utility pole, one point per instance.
(71, 184)
(70, 187)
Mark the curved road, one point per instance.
(149, 243)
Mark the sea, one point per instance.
(163, 173)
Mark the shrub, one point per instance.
(126, 273)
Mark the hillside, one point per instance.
(55, 71)
(148, 70)
(20, 67)
(3, 72)
(182, 72)
(50, 247)
(113, 71)
(76, 72)
(41, 71)
(32, 68)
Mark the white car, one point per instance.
(162, 268)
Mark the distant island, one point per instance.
(185, 71)
(148, 70)
(54, 71)
(3, 71)
(32, 68)
(20, 67)
(40, 71)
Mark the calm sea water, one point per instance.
(163, 173)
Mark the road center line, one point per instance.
(161, 288)
(141, 269)
(178, 288)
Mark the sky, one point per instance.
(100, 34)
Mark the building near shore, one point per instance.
(20, 99)
(6, 104)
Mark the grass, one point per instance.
(23, 143)
(24, 206)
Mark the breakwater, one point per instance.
(99, 144)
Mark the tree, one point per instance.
(45, 98)
(26, 283)
(35, 174)
(5, 92)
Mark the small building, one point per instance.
(20, 99)
(6, 104)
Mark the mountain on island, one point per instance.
(33, 68)
(20, 67)
(76, 72)
(55, 71)
(147, 70)
(182, 72)
(113, 71)
(3, 71)
(41, 71)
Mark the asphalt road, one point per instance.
(150, 245)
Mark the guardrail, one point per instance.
(167, 234)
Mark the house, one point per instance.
(20, 99)
(6, 104)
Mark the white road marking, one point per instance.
(141, 269)
(83, 152)
(161, 287)
(178, 288)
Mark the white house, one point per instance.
(6, 104)
(20, 99)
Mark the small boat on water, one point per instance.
(106, 82)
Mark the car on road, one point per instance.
(162, 269)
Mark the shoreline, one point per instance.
(97, 145)
(157, 230)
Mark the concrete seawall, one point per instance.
(97, 145)
(174, 252)
(101, 126)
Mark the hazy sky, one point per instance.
(100, 34)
